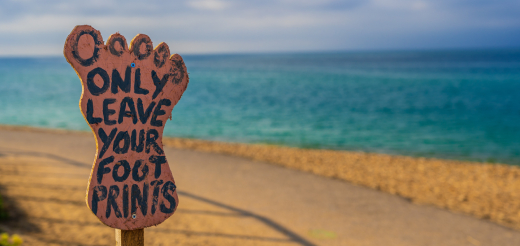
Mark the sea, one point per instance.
(450, 104)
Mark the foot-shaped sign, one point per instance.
(128, 94)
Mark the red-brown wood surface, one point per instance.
(128, 94)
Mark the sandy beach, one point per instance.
(232, 194)
(487, 191)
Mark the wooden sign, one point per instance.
(128, 94)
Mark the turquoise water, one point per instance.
(445, 104)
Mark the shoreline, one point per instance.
(487, 191)
(28, 128)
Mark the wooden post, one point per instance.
(130, 238)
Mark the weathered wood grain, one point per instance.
(130, 238)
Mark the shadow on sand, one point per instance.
(22, 223)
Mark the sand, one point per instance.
(488, 191)
(230, 200)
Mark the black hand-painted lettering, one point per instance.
(167, 187)
(156, 185)
(180, 66)
(159, 83)
(137, 198)
(112, 47)
(126, 171)
(95, 53)
(113, 193)
(137, 83)
(107, 112)
(137, 48)
(107, 140)
(143, 115)
(102, 170)
(117, 81)
(160, 56)
(130, 114)
(158, 161)
(99, 194)
(125, 201)
(151, 141)
(158, 112)
(135, 171)
(92, 87)
(90, 112)
(138, 147)
(121, 136)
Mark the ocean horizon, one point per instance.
(450, 104)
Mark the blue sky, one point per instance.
(30, 27)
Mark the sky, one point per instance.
(39, 28)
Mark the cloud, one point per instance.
(208, 4)
(202, 26)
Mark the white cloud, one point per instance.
(208, 4)
(31, 50)
(419, 5)
(200, 26)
